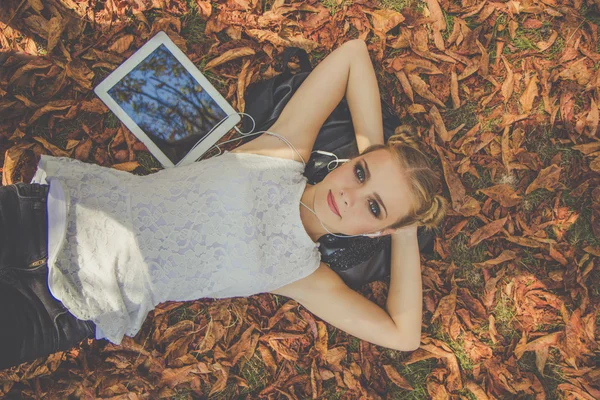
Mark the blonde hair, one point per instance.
(429, 208)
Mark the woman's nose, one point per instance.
(348, 197)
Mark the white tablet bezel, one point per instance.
(162, 38)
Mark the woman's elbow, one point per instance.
(409, 342)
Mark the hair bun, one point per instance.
(405, 135)
(433, 217)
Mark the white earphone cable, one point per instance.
(291, 146)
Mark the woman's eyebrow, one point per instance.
(377, 197)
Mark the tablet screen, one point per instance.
(167, 103)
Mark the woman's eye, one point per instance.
(374, 207)
(360, 173)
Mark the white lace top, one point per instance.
(223, 227)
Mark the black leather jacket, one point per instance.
(358, 260)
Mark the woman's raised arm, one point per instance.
(347, 71)
(325, 294)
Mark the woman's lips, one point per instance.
(332, 204)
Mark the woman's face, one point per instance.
(364, 195)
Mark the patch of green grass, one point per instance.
(332, 6)
(490, 124)
(317, 56)
(148, 162)
(331, 390)
(505, 313)
(458, 346)
(463, 358)
(581, 231)
(501, 20)
(528, 260)
(466, 393)
(219, 83)
(182, 394)
(465, 257)
(255, 373)
(399, 5)
(111, 120)
(523, 43)
(541, 143)
(556, 49)
(534, 199)
(590, 13)
(193, 27)
(182, 313)
(475, 183)
(465, 114)
(449, 25)
(354, 345)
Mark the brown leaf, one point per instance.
(55, 105)
(509, 81)
(405, 85)
(595, 164)
(267, 36)
(477, 391)
(384, 20)
(503, 194)
(439, 23)
(461, 202)
(487, 231)
(529, 95)
(126, 166)
(204, 7)
(548, 178)
(55, 28)
(468, 71)
(321, 343)
(268, 359)
(588, 148)
(592, 119)
(222, 374)
(241, 85)
(12, 158)
(396, 378)
(335, 356)
(438, 123)
(37, 5)
(214, 333)
(596, 211)
(121, 45)
(420, 87)
(54, 150)
(545, 45)
(506, 255)
(230, 55)
(445, 310)
(454, 89)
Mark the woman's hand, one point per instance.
(406, 231)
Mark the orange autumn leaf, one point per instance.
(487, 231)
(503, 194)
(548, 179)
(529, 95)
(396, 378)
(384, 20)
(230, 55)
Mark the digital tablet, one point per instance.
(167, 103)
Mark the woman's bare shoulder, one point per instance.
(322, 279)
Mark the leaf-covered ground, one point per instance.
(504, 95)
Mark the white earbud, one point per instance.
(372, 235)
